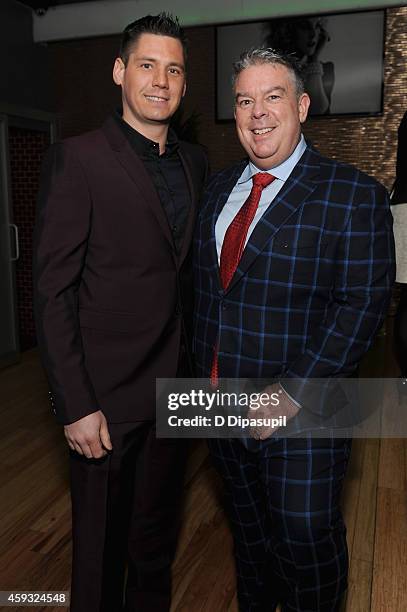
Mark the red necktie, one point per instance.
(234, 242)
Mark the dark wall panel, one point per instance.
(24, 67)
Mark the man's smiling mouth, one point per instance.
(260, 131)
(156, 99)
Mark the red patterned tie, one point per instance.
(234, 243)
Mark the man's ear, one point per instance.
(303, 106)
(118, 71)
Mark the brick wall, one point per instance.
(26, 150)
(85, 94)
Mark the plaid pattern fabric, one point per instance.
(314, 280)
(289, 535)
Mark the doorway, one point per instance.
(24, 138)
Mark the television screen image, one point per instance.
(341, 58)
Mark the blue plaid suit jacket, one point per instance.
(314, 281)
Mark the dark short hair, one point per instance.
(163, 24)
(266, 55)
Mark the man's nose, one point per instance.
(259, 109)
(160, 78)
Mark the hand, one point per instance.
(285, 407)
(89, 436)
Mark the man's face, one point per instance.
(152, 82)
(268, 113)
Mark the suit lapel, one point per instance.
(134, 167)
(186, 242)
(296, 189)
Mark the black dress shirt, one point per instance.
(167, 174)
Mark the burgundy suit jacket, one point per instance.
(108, 283)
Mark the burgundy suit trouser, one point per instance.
(125, 511)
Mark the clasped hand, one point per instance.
(285, 407)
(89, 436)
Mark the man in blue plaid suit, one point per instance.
(309, 293)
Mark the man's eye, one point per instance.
(273, 97)
(175, 71)
(146, 65)
(243, 103)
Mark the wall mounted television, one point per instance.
(341, 56)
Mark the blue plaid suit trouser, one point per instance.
(289, 535)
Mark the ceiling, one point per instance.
(70, 19)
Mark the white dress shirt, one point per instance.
(242, 189)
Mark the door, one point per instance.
(24, 137)
(9, 345)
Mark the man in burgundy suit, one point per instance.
(112, 277)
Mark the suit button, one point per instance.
(224, 306)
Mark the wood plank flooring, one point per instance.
(35, 546)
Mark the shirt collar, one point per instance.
(143, 145)
(283, 170)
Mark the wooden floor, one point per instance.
(35, 543)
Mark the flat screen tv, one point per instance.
(341, 56)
